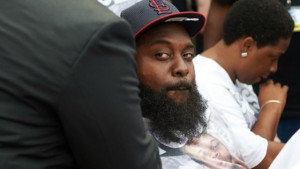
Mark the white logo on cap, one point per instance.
(181, 19)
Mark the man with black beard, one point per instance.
(170, 100)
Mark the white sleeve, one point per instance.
(253, 148)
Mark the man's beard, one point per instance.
(172, 121)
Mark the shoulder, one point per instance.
(211, 76)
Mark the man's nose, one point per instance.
(274, 67)
(180, 68)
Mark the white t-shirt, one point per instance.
(236, 104)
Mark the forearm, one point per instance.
(272, 98)
(267, 122)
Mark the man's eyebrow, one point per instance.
(161, 41)
(213, 140)
(191, 46)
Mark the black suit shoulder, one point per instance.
(51, 57)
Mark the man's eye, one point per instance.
(189, 56)
(214, 145)
(162, 56)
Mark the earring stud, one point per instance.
(244, 54)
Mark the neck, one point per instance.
(225, 56)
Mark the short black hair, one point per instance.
(267, 21)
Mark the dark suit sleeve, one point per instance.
(99, 106)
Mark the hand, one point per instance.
(272, 91)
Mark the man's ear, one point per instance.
(247, 43)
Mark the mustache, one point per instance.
(179, 85)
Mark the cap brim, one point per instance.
(192, 21)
